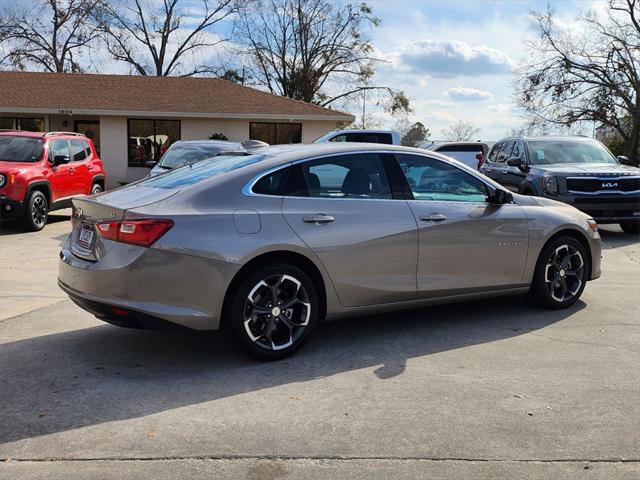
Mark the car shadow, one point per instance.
(13, 227)
(79, 378)
(614, 237)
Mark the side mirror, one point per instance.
(625, 160)
(150, 164)
(517, 162)
(500, 197)
(60, 159)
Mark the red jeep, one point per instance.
(40, 172)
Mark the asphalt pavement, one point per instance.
(484, 390)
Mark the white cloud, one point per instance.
(453, 58)
(465, 94)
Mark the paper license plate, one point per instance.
(86, 236)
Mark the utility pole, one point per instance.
(364, 103)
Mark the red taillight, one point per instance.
(135, 232)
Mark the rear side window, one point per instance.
(343, 176)
(273, 183)
(493, 154)
(78, 150)
(364, 137)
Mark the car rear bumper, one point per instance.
(147, 288)
(10, 209)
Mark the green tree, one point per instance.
(416, 135)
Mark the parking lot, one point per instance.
(486, 389)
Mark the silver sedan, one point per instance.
(268, 245)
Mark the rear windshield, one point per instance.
(200, 171)
(180, 155)
(20, 149)
(553, 152)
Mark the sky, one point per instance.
(455, 59)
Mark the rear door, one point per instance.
(62, 178)
(343, 209)
(488, 168)
(80, 161)
(466, 244)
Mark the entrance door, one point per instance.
(90, 128)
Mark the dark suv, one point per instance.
(40, 172)
(579, 171)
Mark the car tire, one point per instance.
(561, 273)
(36, 212)
(632, 228)
(96, 188)
(259, 319)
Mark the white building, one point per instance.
(133, 119)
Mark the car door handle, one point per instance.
(72, 170)
(433, 217)
(319, 219)
(90, 167)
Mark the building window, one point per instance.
(149, 139)
(276, 133)
(20, 123)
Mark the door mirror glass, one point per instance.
(60, 160)
(514, 162)
(500, 197)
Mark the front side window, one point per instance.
(59, 148)
(150, 139)
(505, 152)
(360, 176)
(431, 179)
(276, 133)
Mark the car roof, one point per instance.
(362, 130)
(550, 138)
(219, 143)
(447, 144)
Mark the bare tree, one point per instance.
(460, 131)
(308, 49)
(46, 35)
(163, 38)
(590, 74)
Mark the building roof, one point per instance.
(154, 96)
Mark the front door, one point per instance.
(62, 179)
(342, 208)
(466, 243)
(91, 129)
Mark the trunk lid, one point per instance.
(112, 205)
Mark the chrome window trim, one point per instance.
(247, 190)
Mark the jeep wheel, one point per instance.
(36, 212)
(96, 189)
(631, 227)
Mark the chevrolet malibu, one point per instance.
(268, 245)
